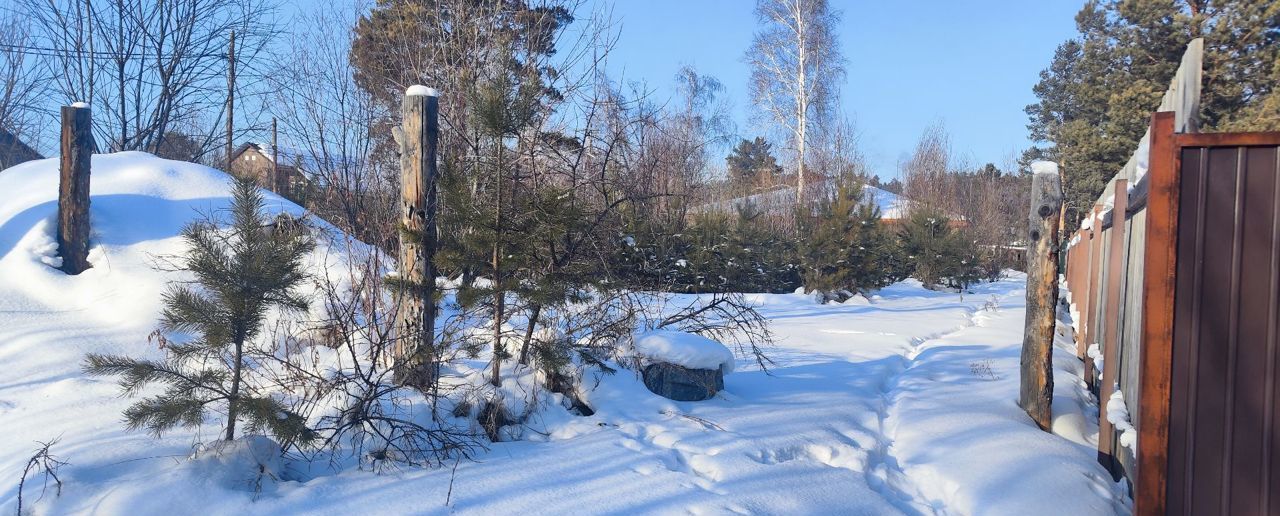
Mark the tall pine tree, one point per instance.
(1096, 96)
(752, 163)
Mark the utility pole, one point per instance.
(275, 159)
(231, 94)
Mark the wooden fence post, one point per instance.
(415, 349)
(73, 188)
(1111, 324)
(1036, 394)
(1096, 300)
(1160, 262)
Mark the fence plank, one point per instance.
(1111, 322)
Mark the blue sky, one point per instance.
(969, 64)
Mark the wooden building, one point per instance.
(13, 151)
(257, 162)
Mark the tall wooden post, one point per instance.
(415, 349)
(1036, 394)
(275, 161)
(73, 188)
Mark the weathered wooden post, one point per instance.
(415, 329)
(1036, 396)
(73, 188)
(274, 180)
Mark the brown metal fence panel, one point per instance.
(1224, 448)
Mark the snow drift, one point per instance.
(867, 408)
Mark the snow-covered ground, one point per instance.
(904, 404)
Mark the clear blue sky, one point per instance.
(969, 64)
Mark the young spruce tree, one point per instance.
(845, 249)
(241, 272)
(937, 253)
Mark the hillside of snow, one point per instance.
(781, 199)
(903, 404)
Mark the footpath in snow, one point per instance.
(904, 404)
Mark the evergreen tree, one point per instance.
(765, 257)
(1072, 110)
(936, 253)
(752, 163)
(845, 249)
(241, 272)
(1096, 96)
(1241, 89)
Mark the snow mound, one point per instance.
(138, 206)
(687, 350)
(1118, 416)
(250, 463)
(1040, 167)
(422, 91)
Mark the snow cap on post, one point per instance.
(420, 90)
(1038, 167)
(81, 105)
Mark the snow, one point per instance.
(892, 206)
(420, 90)
(82, 105)
(904, 404)
(1041, 167)
(1143, 154)
(250, 463)
(1095, 352)
(687, 350)
(1118, 416)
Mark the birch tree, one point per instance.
(796, 65)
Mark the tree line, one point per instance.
(1096, 96)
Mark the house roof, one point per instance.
(291, 157)
(892, 206)
(13, 151)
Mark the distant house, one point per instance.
(13, 151)
(253, 161)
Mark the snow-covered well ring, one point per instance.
(683, 366)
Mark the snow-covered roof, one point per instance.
(892, 206)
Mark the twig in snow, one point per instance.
(42, 462)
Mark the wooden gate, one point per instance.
(1209, 430)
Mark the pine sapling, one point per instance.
(209, 326)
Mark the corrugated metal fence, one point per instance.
(1175, 284)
